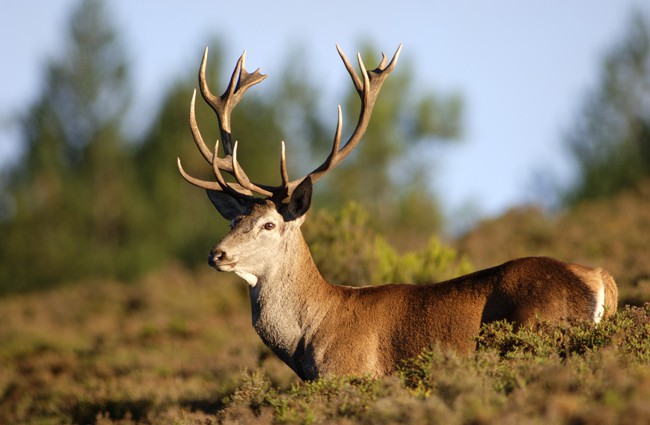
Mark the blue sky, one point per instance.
(522, 67)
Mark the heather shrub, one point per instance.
(557, 373)
(628, 332)
(178, 348)
(317, 401)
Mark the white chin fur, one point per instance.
(250, 278)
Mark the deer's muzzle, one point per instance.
(220, 260)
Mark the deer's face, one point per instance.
(254, 240)
(260, 232)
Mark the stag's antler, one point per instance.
(367, 86)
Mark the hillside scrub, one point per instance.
(611, 234)
(178, 348)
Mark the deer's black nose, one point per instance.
(215, 256)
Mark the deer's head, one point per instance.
(264, 217)
(260, 231)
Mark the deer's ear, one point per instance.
(300, 200)
(228, 206)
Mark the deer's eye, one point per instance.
(269, 226)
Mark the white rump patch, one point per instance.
(250, 278)
(600, 303)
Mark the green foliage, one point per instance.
(627, 332)
(102, 350)
(610, 141)
(306, 403)
(348, 250)
(76, 202)
(546, 339)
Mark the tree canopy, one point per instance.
(85, 200)
(610, 140)
(73, 192)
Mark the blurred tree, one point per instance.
(178, 218)
(84, 202)
(387, 173)
(610, 141)
(384, 175)
(73, 191)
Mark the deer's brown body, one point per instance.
(317, 328)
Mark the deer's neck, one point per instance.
(290, 300)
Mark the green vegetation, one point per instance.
(349, 250)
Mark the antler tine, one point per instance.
(233, 189)
(217, 171)
(210, 98)
(234, 78)
(393, 62)
(218, 104)
(283, 166)
(329, 162)
(196, 133)
(228, 103)
(337, 137)
(197, 182)
(350, 68)
(383, 61)
(220, 185)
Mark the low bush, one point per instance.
(348, 250)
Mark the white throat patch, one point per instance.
(250, 278)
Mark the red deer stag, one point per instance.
(318, 328)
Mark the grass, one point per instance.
(178, 348)
(175, 340)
